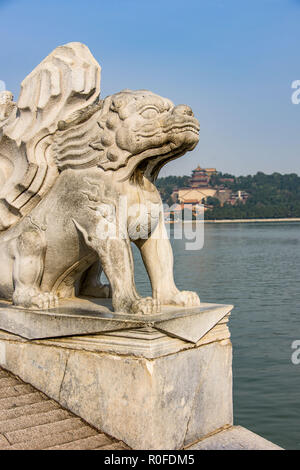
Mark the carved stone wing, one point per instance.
(66, 81)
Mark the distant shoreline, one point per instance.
(235, 221)
(230, 221)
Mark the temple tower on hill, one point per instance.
(201, 176)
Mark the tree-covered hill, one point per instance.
(270, 196)
(167, 185)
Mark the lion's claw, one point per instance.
(186, 298)
(33, 298)
(145, 306)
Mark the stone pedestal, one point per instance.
(163, 384)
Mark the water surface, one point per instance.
(256, 267)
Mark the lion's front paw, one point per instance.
(145, 306)
(186, 298)
(33, 298)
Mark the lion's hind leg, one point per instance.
(29, 254)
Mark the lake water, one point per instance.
(256, 267)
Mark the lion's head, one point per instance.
(131, 132)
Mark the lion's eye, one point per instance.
(149, 113)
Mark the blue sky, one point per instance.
(232, 61)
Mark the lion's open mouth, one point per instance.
(178, 138)
(176, 129)
(151, 165)
(183, 138)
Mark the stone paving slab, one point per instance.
(56, 439)
(116, 446)
(28, 410)
(16, 391)
(8, 382)
(29, 420)
(10, 425)
(89, 443)
(27, 399)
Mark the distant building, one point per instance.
(201, 176)
(200, 189)
(223, 194)
(195, 195)
(226, 180)
(238, 197)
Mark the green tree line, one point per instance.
(270, 196)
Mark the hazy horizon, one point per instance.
(233, 174)
(233, 62)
